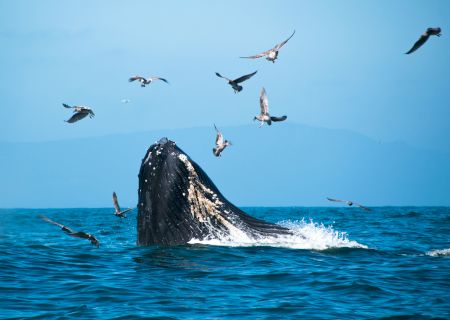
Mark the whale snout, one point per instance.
(160, 150)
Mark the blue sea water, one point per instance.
(342, 263)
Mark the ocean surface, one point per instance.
(341, 263)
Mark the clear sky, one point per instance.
(345, 67)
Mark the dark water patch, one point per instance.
(39, 247)
(408, 214)
(137, 316)
(348, 251)
(355, 288)
(411, 317)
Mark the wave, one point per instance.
(305, 235)
(439, 253)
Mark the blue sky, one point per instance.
(343, 69)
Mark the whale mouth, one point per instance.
(178, 202)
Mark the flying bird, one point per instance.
(349, 203)
(72, 233)
(146, 81)
(118, 212)
(234, 83)
(125, 100)
(264, 116)
(220, 143)
(424, 37)
(272, 54)
(80, 112)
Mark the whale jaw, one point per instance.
(178, 202)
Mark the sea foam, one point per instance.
(439, 253)
(305, 235)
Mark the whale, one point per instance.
(178, 203)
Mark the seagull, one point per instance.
(424, 37)
(118, 213)
(72, 233)
(80, 112)
(125, 100)
(234, 83)
(272, 54)
(146, 81)
(264, 116)
(350, 203)
(220, 143)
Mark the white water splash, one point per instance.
(306, 235)
(439, 253)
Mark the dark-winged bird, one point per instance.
(80, 112)
(349, 203)
(118, 212)
(234, 83)
(264, 116)
(424, 37)
(146, 81)
(272, 54)
(72, 233)
(220, 143)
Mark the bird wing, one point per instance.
(63, 227)
(67, 106)
(220, 76)
(116, 202)
(259, 55)
(423, 38)
(362, 207)
(278, 46)
(336, 200)
(158, 78)
(263, 102)
(277, 119)
(84, 235)
(219, 137)
(125, 211)
(77, 116)
(79, 234)
(246, 77)
(136, 78)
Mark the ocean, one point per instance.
(341, 263)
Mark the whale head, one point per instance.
(178, 202)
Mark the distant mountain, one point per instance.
(283, 165)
